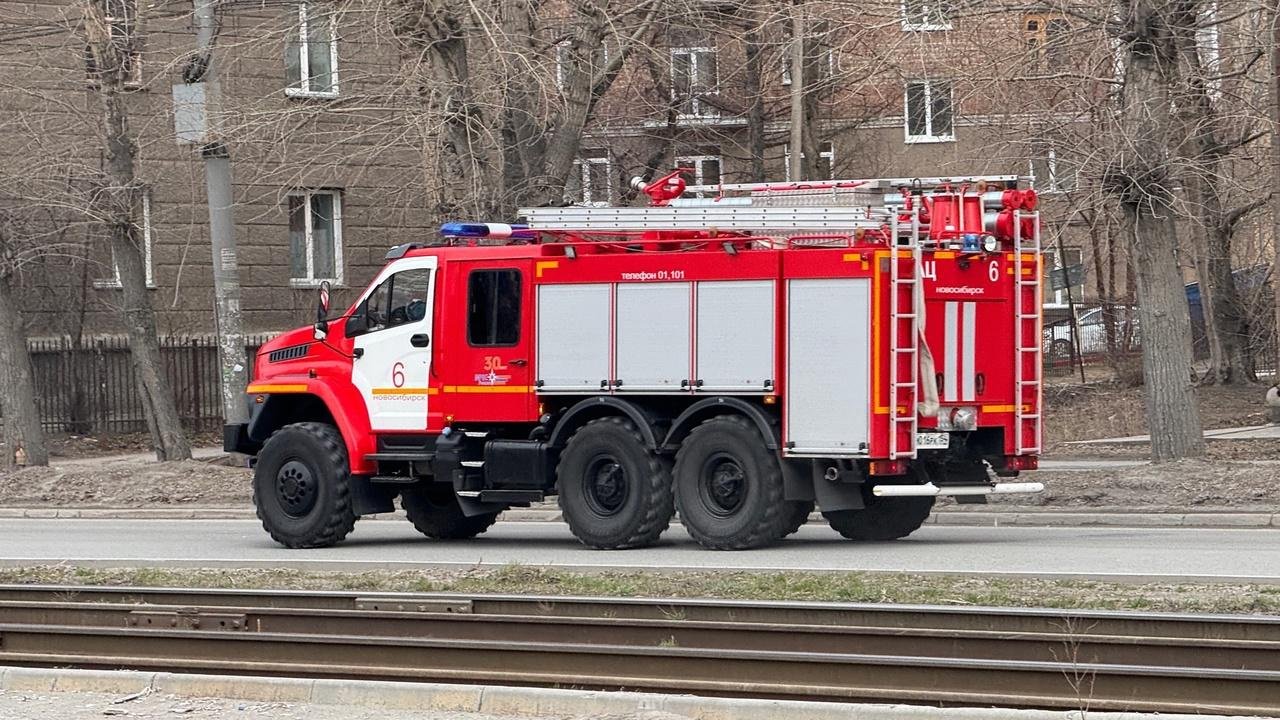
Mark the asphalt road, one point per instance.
(1119, 553)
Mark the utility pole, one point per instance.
(797, 92)
(1275, 167)
(192, 102)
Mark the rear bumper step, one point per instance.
(931, 490)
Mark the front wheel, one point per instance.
(302, 486)
(729, 486)
(434, 511)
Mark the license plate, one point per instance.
(932, 441)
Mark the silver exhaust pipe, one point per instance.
(931, 490)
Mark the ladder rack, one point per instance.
(1028, 350)
(861, 185)
(726, 217)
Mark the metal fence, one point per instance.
(89, 386)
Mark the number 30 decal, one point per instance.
(397, 374)
(993, 272)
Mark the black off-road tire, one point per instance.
(883, 518)
(614, 491)
(729, 486)
(302, 486)
(434, 511)
(797, 515)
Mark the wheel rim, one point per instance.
(296, 488)
(722, 486)
(606, 486)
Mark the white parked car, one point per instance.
(1058, 340)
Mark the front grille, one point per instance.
(289, 353)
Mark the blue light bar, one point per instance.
(486, 230)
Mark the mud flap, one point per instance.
(843, 493)
(797, 480)
(370, 499)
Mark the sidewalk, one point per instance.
(1253, 432)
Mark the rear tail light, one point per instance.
(1021, 462)
(887, 467)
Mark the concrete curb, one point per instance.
(496, 700)
(971, 518)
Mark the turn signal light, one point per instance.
(887, 467)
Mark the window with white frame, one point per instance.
(564, 61)
(144, 236)
(825, 60)
(1056, 262)
(825, 169)
(700, 169)
(315, 236)
(925, 15)
(693, 80)
(125, 36)
(311, 56)
(1053, 174)
(591, 180)
(929, 110)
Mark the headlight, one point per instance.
(990, 243)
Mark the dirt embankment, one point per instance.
(126, 484)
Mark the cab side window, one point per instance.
(401, 298)
(493, 307)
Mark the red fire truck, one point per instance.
(738, 354)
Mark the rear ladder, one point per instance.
(904, 338)
(1028, 353)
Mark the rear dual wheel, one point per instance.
(882, 518)
(729, 487)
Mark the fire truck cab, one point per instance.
(738, 353)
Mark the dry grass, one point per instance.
(844, 587)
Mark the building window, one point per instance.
(1054, 262)
(925, 15)
(1053, 174)
(114, 280)
(826, 167)
(693, 79)
(124, 42)
(564, 62)
(311, 57)
(315, 236)
(929, 111)
(700, 169)
(493, 307)
(1046, 38)
(590, 181)
(826, 62)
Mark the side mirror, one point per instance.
(322, 312)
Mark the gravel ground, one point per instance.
(77, 706)
(127, 484)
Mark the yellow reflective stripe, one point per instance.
(274, 388)
(404, 391)
(473, 389)
(542, 265)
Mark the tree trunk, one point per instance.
(753, 86)
(1141, 176)
(23, 436)
(116, 206)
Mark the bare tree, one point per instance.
(110, 28)
(1142, 177)
(23, 435)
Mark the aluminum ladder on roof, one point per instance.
(721, 217)
(904, 342)
(1027, 338)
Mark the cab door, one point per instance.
(392, 364)
(487, 378)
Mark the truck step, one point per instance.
(393, 480)
(407, 456)
(511, 496)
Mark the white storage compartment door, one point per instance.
(652, 337)
(828, 356)
(573, 337)
(736, 327)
